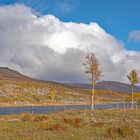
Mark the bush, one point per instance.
(128, 99)
(97, 123)
(52, 95)
(32, 117)
(76, 122)
(68, 120)
(26, 116)
(57, 127)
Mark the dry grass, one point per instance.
(113, 124)
(32, 117)
(97, 123)
(52, 127)
(76, 122)
(124, 131)
(68, 120)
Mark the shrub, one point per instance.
(27, 116)
(128, 98)
(68, 120)
(32, 117)
(97, 123)
(76, 122)
(57, 127)
(52, 95)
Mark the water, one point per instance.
(48, 109)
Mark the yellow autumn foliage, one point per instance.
(52, 95)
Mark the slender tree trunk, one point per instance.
(92, 96)
(132, 104)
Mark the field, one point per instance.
(113, 124)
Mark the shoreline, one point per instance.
(58, 104)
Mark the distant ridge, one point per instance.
(117, 86)
(12, 75)
(108, 85)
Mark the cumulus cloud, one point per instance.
(47, 48)
(135, 35)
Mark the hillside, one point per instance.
(12, 75)
(108, 85)
(17, 89)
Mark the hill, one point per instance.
(12, 75)
(108, 85)
(17, 89)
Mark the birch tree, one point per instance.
(133, 78)
(92, 68)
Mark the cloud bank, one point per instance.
(47, 48)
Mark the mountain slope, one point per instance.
(109, 85)
(17, 89)
(6, 73)
(12, 75)
(117, 86)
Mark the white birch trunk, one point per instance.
(132, 104)
(92, 97)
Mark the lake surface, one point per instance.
(48, 109)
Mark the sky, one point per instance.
(48, 39)
(117, 17)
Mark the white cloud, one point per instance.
(135, 35)
(47, 48)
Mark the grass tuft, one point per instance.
(52, 127)
(76, 122)
(97, 123)
(123, 131)
(32, 117)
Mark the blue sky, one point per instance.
(117, 17)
